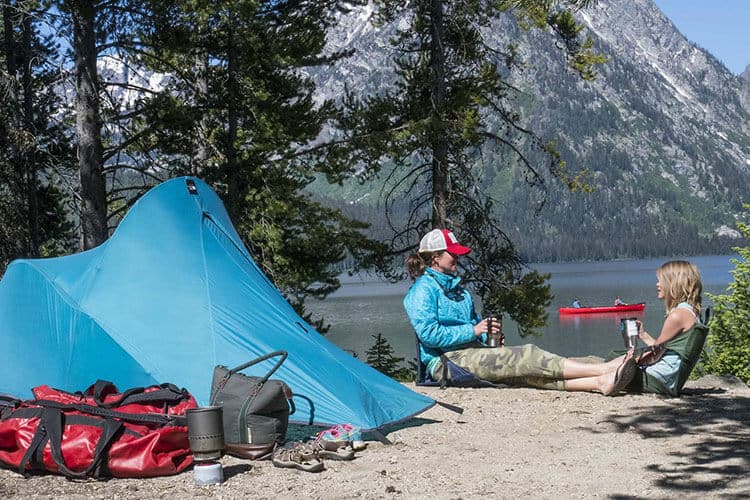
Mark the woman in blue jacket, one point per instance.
(443, 316)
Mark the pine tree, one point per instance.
(246, 119)
(34, 148)
(381, 357)
(236, 109)
(84, 16)
(728, 344)
(433, 122)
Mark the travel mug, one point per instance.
(629, 332)
(494, 339)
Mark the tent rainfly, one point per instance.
(170, 295)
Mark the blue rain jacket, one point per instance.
(442, 314)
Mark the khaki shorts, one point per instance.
(525, 365)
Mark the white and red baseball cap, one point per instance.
(442, 239)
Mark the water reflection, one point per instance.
(365, 307)
(578, 321)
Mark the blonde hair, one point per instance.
(680, 282)
(416, 263)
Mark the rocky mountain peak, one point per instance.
(664, 130)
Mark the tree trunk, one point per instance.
(21, 98)
(232, 124)
(88, 126)
(200, 143)
(439, 145)
(29, 158)
(8, 43)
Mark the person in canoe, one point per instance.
(446, 323)
(619, 302)
(576, 303)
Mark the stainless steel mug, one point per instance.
(629, 332)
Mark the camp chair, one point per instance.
(693, 349)
(453, 375)
(690, 349)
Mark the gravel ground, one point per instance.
(508, 443)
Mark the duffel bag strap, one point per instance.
(6, 400)
(167, 393)
(53, 421)
(51, 429)
(140, 418)
(100, 390)
(8, 404)
(37, 443)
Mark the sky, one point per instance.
(720, 26)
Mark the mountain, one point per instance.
(745, 77)
(663, 131)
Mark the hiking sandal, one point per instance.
(297, 456)
(623, 375)
(334, 450)
(341, 436)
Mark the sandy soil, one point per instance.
(508, 443)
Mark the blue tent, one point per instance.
(170, 295)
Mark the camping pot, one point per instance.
(629, 332)
(206, 433)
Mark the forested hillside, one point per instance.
(104, 100)
(662, 136)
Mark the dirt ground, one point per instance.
(508, 443)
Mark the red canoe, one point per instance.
(602, 309)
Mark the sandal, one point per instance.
(297, 456)
(334, 450)
(341, 436)
(623, 376)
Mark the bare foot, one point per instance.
(616, 381)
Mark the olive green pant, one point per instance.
(524, 365)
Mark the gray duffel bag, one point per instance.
(256, 409)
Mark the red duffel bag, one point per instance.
(101, 433)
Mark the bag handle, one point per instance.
(54, 425)
(167, 393)
(101, 389)
(263, 379)
(8, 404)
(228, 375)
(51, 429)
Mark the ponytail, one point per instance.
(416, 263)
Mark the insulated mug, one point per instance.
(629, 332)
(494, 339)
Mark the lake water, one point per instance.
(365, 306)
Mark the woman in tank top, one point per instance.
(682, 334)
